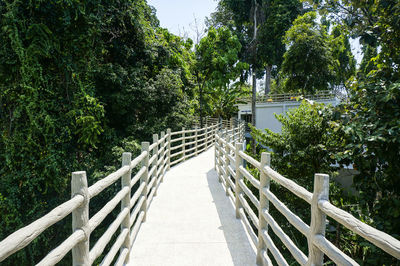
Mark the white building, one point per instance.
(268, 106)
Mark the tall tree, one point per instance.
(308, 63)
(216, 67)
(278, 18)
(345, 64)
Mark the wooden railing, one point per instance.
(287, 97)
(153, 162)
(229, 158)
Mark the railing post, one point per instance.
(264, 205)
(155, 163)
(169, 148)
(206, 137)
(145, 178)
(227, 162)
(195, 144)
(183, 144)
(238, 190)
(80, 218)
(216, 154)
(162, 155)
(231, 122)
(318, 218)
(220, 163)
(126, 202)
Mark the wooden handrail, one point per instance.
(150, 174)
(320, 207)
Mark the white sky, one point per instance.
(178, 15)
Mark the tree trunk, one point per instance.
(267, 79)
(254, 90)
(253, 107)
(201, 107)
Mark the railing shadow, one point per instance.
(239, 245)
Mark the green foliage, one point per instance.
(305, 145)
(307, 63)
(279, 16)
(371, 123)
(216, 67)
(344, 65)
(77, 80)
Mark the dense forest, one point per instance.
(81, 81)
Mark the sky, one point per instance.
(178, 15)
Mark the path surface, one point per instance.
(192, 222)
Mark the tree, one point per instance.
(217, 66)
(344, 64)
(307, 64)
(79, 79)
(305, 146)
(278, 18)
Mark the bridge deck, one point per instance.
(192, 222)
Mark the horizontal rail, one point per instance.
(136, 227)
(108, 259)
(178, 139)
(59, 252)
(152, 159)
(274, 250)
(152, 146)
(137, 194)
(136, 210)
(335, 254)
(109, 207)
(176, 147)
(248, 209)
(98, 248)
(289, 215)
(151, 172)
(177, 153)
(249, 194)
(249, 177)
(27, 234)
(121, 258)
(299, 191)
(138, 175)
(104, 183)
(295, 251)
(177, 161)
(382, 240)
(247, 225)
(138, 159)
(250, 159)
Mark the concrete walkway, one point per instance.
(192, 222)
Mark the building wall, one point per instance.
(265, 112)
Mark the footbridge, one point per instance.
(195, 197)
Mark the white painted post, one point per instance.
(80, 218)
(220, 146)
(196, 144)
(169, 149)
(155, 163)
(145, 178)
(126, 202)
(318, 218)
(238, 190)
(264, 205)
(162, 155)
(183, 144)
(206, 139)
(227, 162)
(216, 155)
